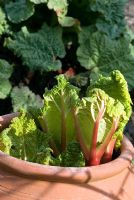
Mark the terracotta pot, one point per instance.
(21, 180)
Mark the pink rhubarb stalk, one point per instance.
(79, 136)
(96, 154)
(93, 158)
(107, 157)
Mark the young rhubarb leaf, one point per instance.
(57, 112)
(25, 141)
(116, 87)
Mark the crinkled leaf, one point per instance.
(19, 10)
(100, 54)
(111, 29)
(116, 87)
(81, 79)
(110, 10)
(72, 156)
(88, 113)
(64, 112)
(3, 22)
(39, 1)
(23, 140)
(5, 73)
(23, 97)
(58, 104)
(39, 51)
(61, 8)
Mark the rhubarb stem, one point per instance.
(93, 160)
(104, 145)
(44, 127)
(107, 157)
(63, 125)
(79, 136)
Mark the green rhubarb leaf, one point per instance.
(23, 140)
(88, 112)
(39, 1)
(67, 21)
(3, 22)
(116, 87)
(5, 73)
(72, 156)
(109, 10)
(19, 10)
(111, 29)
(57, 111)
(41, 50)
(100, 54)
(59, 6)
(23, 97)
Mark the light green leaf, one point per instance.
(41, 50)
(23, 140)
(72, 156)
(3, 22)
(19, 10)
(116, 87)
(67, 21)
(23, 97)
(38, 1)
(58, 104)
(5, 73)
(59, 6)
(88, 113)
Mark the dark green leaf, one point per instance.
(19, 10)
(41, 50)
(5, 73)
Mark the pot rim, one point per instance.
(65, 174)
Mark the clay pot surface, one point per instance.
(21, 180)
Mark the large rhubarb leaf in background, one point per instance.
(19, 10)
(59, 6)
(23, 97)
(111, 16)
(3, 22)
(5, 73)
(100, 54)
(61, 9)
(39, 1)
(41, 50)
(110, 10)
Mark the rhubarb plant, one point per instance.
(79, 130)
